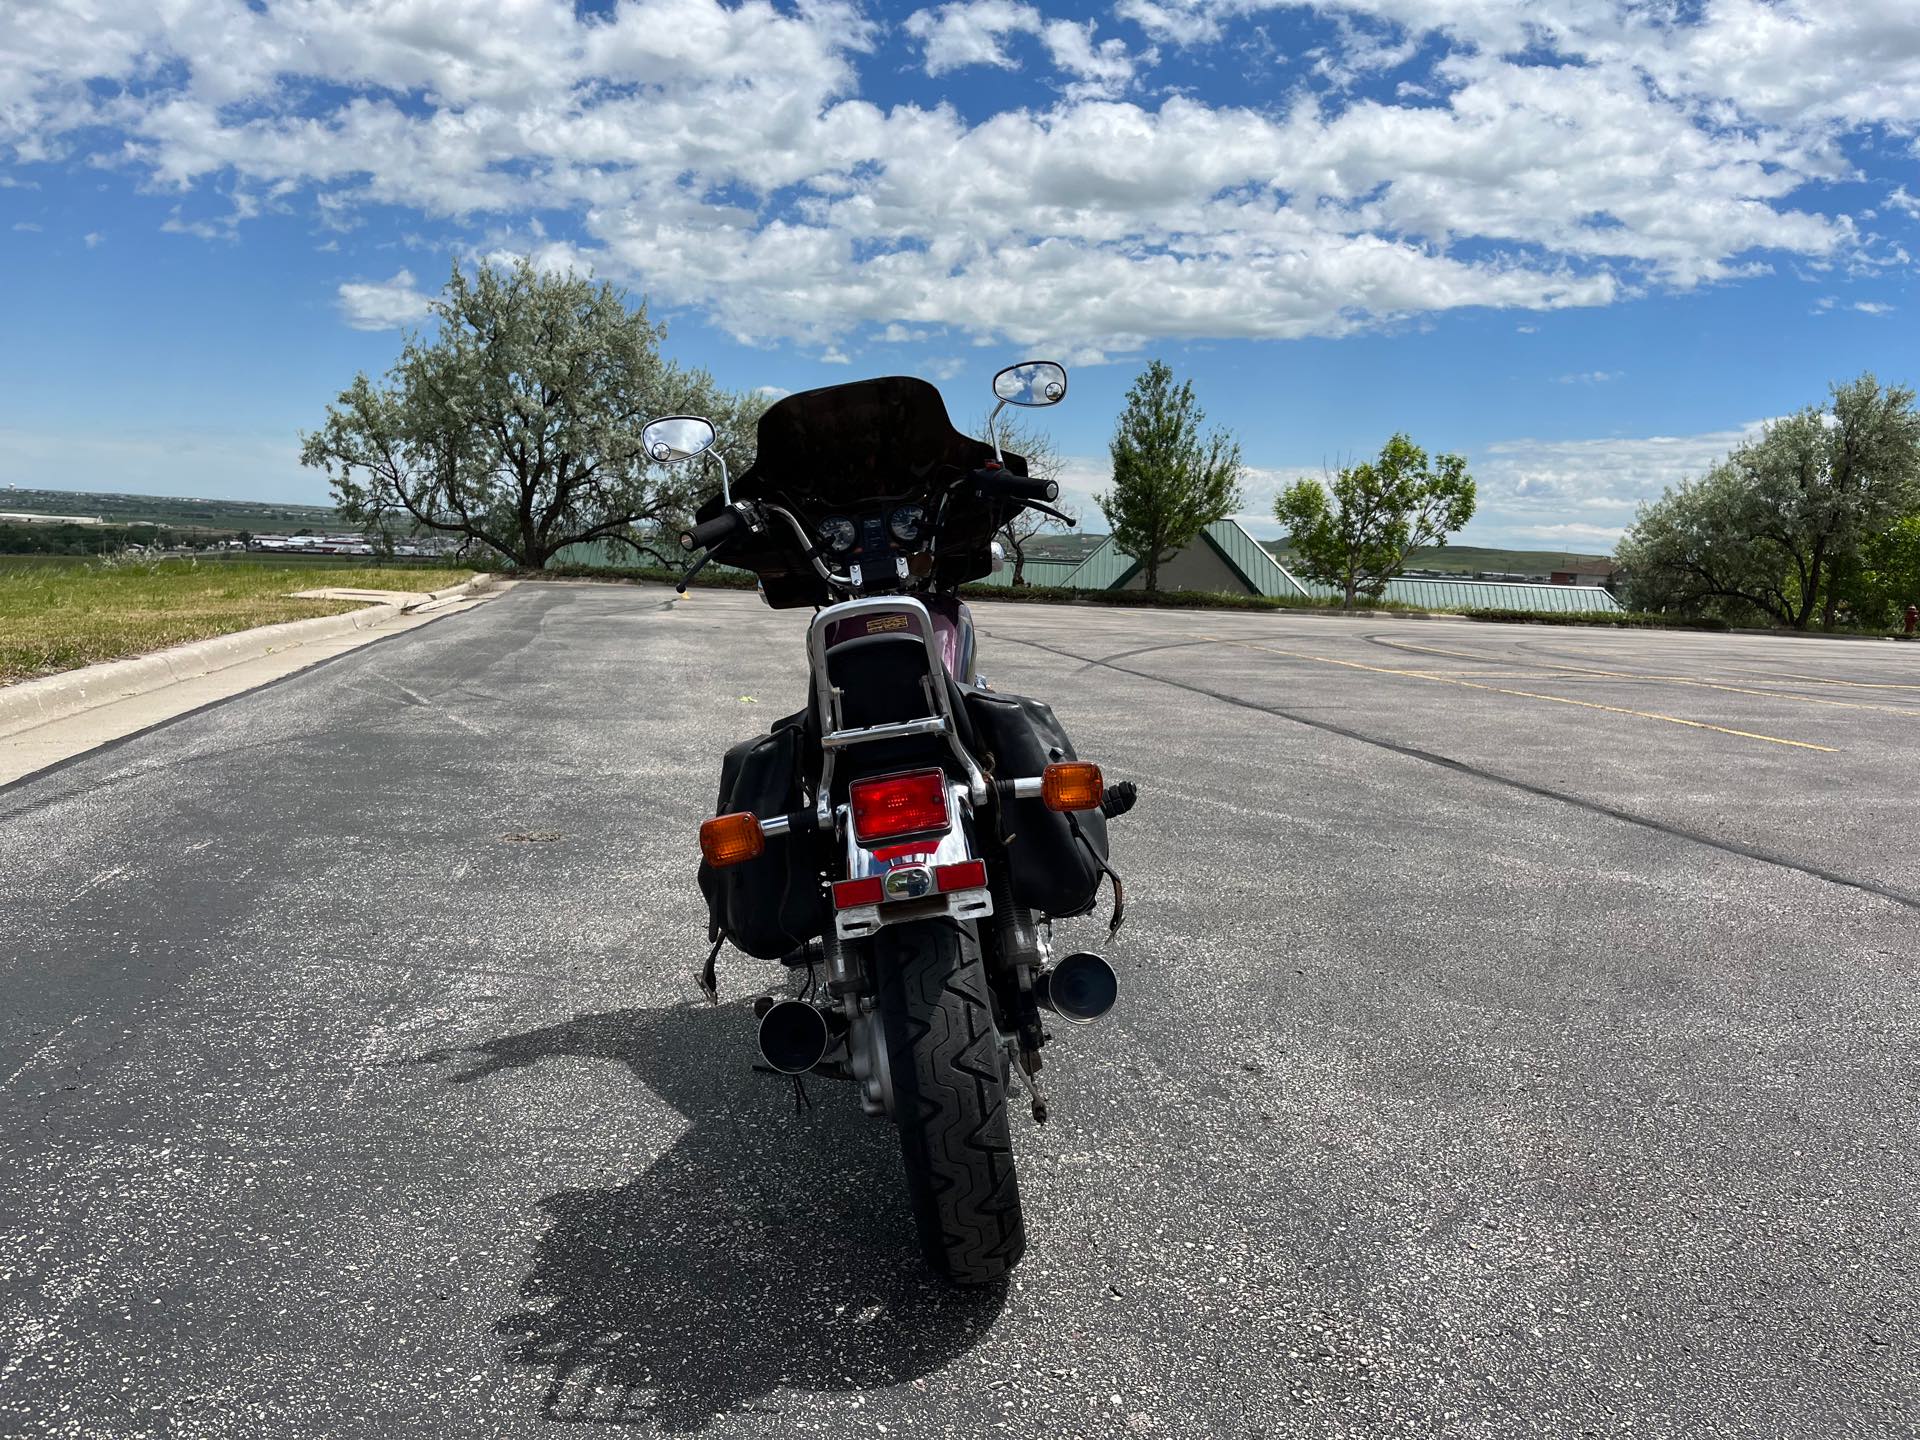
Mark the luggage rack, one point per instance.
(835, 737)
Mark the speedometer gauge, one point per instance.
(907, 522)
(837, 533)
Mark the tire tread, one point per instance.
(950, 1099)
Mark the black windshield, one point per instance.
(838, 447)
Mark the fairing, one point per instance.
(847, 449)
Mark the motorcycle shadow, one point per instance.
(764, 1251)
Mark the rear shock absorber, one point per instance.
(1018, 944)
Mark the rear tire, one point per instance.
(950, 1100)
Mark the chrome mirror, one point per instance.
(674, 438)
(1031, 382)
(677, 437)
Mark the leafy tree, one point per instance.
(1779, 527)
(1043, 461)
(1168, 482)
(1359, 537)
(1697, 550)
(517, 425)
(1878, 590)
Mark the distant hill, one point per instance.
(177, 512)
(1070, 546)
(1467, 559)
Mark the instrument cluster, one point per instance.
(900, 528)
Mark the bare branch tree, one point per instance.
(1019, 435)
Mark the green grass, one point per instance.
(57, 612)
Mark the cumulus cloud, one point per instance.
(385, 305)
(975, 32)
(970, 32)
(722, 156)
(1550, 490)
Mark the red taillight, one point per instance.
(847, 894)
(911, 804)
(967, 875)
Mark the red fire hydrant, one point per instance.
(1913, 617)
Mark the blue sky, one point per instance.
(1588, 243)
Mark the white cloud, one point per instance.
(771, 392)
(1557, 490)
(95, 239)
(1589, 377)
(974, 32)
(1104, 68)
(1872, 307)
(970, 32)
(27, 227)
(721, 156)
(385, 305)
(1177, 22)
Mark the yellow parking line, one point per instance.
(1676, 680)
(1535, 695)
(1828, 680)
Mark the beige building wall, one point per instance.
(1198, 567)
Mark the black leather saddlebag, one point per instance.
(1054, 872)
(773, 904)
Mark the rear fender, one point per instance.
(907, 868)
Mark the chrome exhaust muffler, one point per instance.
(1080, 989)
(795, 1036)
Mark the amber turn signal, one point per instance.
(1071, 785)
(728, 839)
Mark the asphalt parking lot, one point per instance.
(1518, 1036)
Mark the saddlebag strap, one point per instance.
(1119, 917)
(708, 981)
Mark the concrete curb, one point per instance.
(55, 697)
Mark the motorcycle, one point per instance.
(912, 834)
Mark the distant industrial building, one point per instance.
(22, 517)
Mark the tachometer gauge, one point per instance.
(838, 534)
(907, 522)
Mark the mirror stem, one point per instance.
(993, 432)
(726, 486)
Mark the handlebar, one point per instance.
(712, 534)
(992, 480)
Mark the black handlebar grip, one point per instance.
(996, 481)
(709, 534)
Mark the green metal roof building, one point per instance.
(1226, 558)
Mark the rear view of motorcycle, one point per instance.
(910, 837)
